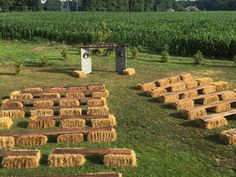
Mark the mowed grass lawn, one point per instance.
(166, 144)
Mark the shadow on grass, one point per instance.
(214, 139)
(166, 106)
(177, 115)
(44, 159)
(22, 124)
(190, 124)
(5, 97)
(143, 94)
(7, 74)
(133, 88)
(95, 159)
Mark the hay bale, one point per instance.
(20, 96)
(58, 89)
(34, 89)
(102, 136)
(12, 113)
(70, 112)
(79, 74)
(70, 138)
(21, 161)
(154, 93)
(162, 82)
(43, 103)
(189, 94)
(207, 90)
(186, 76)
(228, 95)
(221, 85)
(96, 87)
(204, 81)
(191, 84)
(5, 123)
(120, 160)
(213, 122)
(102, 110)
(227, 137)
(129, 72)
(183, 104)
(7, 142)
(35, 122)
(170, 98)
(31, 140)
(100, 94)
(41, 112)
(75, 94)
(73, 123)
(146, 86)
(69, 102)
(221, 107)
(111, 121)
(209, 99)
(174, 79)
(78, 88)
(193, 114)
(178, 87)
(50, 95)
(6, 104)
(66, 160)
(97, 102)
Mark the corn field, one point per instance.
(212, 33)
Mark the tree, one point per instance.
(136, 5)
(53, 5)
(149, 5)
(6, 5)
(34, 5)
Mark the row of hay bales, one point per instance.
(31, 159)
(195, 98)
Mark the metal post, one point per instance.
(121, 63)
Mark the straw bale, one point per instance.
(96, 87)
(228, 95)
(78, 88)
(21, 96)
(210, 99)
(11, 105)
(67, 102)
(50, 95)
(193, 114)
(111, 121)
(174, 79)
(221, 107)
(12, 113)
(227, 137)
(79, 74)
(183, 104)
(7, 142)
(102, 136)
(58, 89)
(129, 71)
(100, 94)
(70, 111)
(41, 112)
(66, 160)
(156, 92)
(97, 102)
(209, 89)
(120, 160)
(73, 123)
(146, 86)
(171, 98)
(5, 123)
(70, 138)
(213, 122)
(34, 89)
(162, 82)
(178, 87)
(43, 103)
(31, 140)
(221, 85)
(102, 110)
(189, 94)
(75, 94)
(35, 122)
(204, 81)
(191, 84)
(186, 77)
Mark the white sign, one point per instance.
(86, 61)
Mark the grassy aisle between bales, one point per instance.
(165, 143)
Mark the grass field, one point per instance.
(165, 143)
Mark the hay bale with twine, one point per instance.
(70, 111)
(189, 94)
(102, 110)
(43, 103)
(97, 102)
(156, 92)
(111, 121)
(58, 89)
(146, 86)
(193, 114)
(174, 79)
(209, 99)
(20, 96)
(66, 160)
(228, 137)
(35, 122)
(129, 72)
(162, 82)
(204, 81)
(75, 94)
(178, 87)
(73, 123)
(12, 113)
(228, 95)
(102, 136)
(183, 104)
(21, 161)
(209, 89)
(31, 140)
(79, 74)
(50, 95)
(221, 85)
(6, 104)
(41, 112)
(191, 84)
(7, 142)
(70, 138)
(186, 76)
(5, 123)
(69, 102)
(120, 160)
(100, 94)
(213, 122)
(78, 88)
(171, 98)
(221, 107)
(34, 89)
(96, 87)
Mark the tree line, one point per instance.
(115, 5)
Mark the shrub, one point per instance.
(44, 60)
(165, 54)
(19, 64)
(134, 52)
(234, 59)
(64, 54)
(198, 58)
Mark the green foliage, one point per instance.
(44, 60)
(19, 64)
(165, 54)
(198, 58)
(134, 52)
(64, 53)
(234, 59)
(102, 33)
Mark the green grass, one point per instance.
(165, 143)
